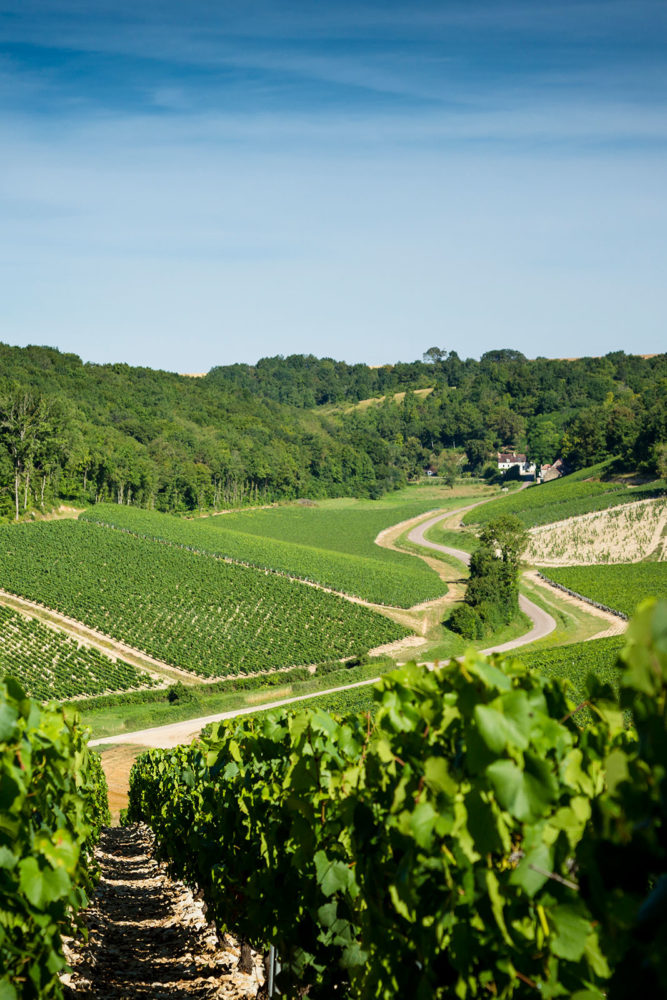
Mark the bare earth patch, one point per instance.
(629, 533)
(398, 647)
(117, 763)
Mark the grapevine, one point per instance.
(193, 611)
(619, 586)
(52, 666)
(331, 547)
(52, 806)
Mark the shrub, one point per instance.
(466, 622)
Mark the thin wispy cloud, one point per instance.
(351, 179)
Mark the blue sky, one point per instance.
(184, 184)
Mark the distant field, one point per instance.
(197, 613)
(573, 663)
(352, 702)
(364, 404)
(563, 498)
(50, 665)
(331, 543)
(621, 586)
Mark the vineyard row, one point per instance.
(470, 838)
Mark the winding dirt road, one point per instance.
(164, 737)
(174, 733)
(543, 622)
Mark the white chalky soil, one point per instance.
(627, 533)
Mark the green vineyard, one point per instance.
(575, 662)
(327, 545)
(195, 612)
(51, 666)
(621, 586)
(355, 701)
(468, 833)
(53, 803)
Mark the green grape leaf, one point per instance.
(8, 718)
(7, 991)
(522, 794)
(571, 932)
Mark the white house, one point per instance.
(510, 459)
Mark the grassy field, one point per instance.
(580, 493)
(192, 611)
(454, 539)
(52, 666)
(201, 700)
(621, 586)
(331, 543)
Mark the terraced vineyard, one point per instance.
(51, 666)
(563, 498)
(331, 545)
(198, 613)
(621, 586)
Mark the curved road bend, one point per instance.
(543, 623)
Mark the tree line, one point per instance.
(289, 427)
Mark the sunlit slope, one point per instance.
(332, 545)
(50, 665)
(621, 586)
(198, 613)
(624, 533)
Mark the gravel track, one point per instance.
(543, 622)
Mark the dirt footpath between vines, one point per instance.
(148, 936)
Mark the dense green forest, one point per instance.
(289, 427)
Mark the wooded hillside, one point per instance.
(286, 427)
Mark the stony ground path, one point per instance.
(543, 622)
(148, 936)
